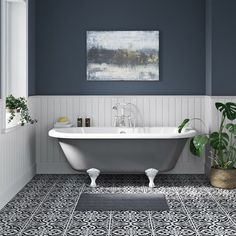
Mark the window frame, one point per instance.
(4, 57)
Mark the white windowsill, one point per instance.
(13, 128)
(10, 129)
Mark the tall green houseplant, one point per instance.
(222, 142)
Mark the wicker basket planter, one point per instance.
(223, 178)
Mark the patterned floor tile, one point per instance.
(43, 230)
(89, 223)
(130, 223)
(216, 230)
(9, 229)
(46, 206)
(173, 229)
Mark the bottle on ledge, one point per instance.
(79, 122)
(87, 122)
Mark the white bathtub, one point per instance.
(122, 150)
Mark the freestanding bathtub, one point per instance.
(122, 150)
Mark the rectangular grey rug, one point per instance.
(122, 202)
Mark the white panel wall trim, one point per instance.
(17, 157)
(155, 110)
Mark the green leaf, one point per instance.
(200, 141)
(231, 128)
(220, 106)
(232, 150)
(182, 125)
(228, 109)
(219, 141)
(197, 144)
(228, 165)
(193, 149)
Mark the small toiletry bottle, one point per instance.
(79, 122)
(87, 122)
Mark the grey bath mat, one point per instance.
(122, 202)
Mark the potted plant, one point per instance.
(18, 111)
(222, 147)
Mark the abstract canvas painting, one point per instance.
(123, 55)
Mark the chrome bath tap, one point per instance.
(124, 117)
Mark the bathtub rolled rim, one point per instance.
(121, 133)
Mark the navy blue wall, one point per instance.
(61, 44)
(223, 47)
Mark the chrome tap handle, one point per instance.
(131, 122)
(115, 121)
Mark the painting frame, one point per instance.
(122, 55)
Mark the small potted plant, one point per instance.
(18, 111)
(222, 147)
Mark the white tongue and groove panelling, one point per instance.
(17, 157)
(155, 111)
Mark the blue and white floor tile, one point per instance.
(46, 206)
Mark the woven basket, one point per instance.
(223, 178)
